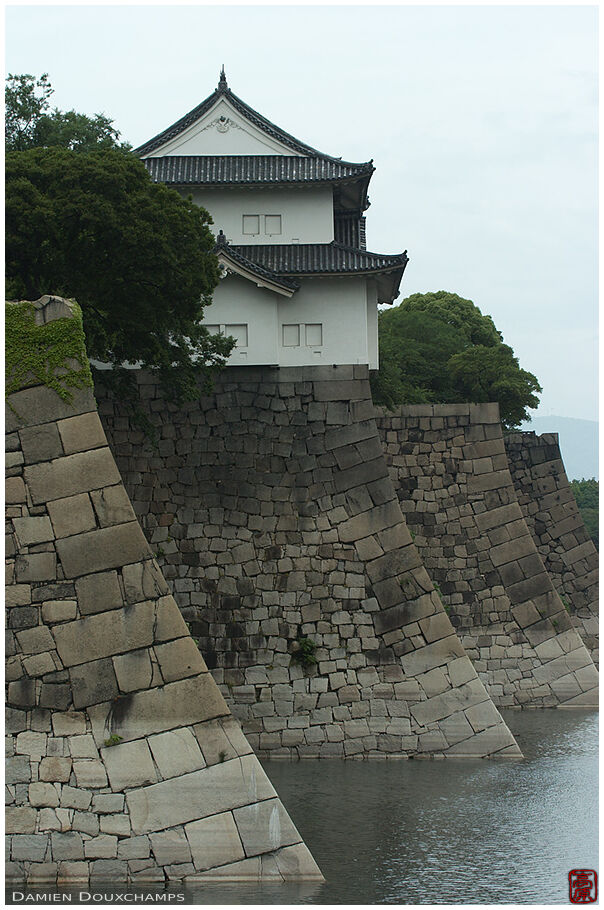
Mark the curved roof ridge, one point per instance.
(257, 119)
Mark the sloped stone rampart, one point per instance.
(271, 511)
(553, 518)
(124, 763)
(449, 465)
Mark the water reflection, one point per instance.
(469, 832)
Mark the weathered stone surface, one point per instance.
(296, 862)
(33, 530)
(210, 791)
(93, 683)
(89, 773)
(214, 841)
(129, 765)
(43, 794)
(59, 610)
(40, 443)
(80, 433)
(55, 769)
(264, 827)
(98, 592)
(29, 847)
(176, 704)
(70, 723)
(20, 820)
(112, 506)
(179, 658)
(35, 567)
(133, 670)
(71, 515)
(170, 847)
(176, 753)
(105, 548)
(105, 634)
(72, 474)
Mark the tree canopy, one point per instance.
(30, 122)
(136, 256)
(440, 348)
(587, 495)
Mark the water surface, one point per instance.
(440, 832)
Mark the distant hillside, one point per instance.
(578, 443)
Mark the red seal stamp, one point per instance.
(582, 886)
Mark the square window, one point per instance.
(251, 224)
(239, 332)
(212, 329)
(291, 336)
(272, 224)
(314, 334)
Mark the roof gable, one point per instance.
(202, 132)
(222, 130)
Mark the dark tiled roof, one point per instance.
(236, 257)
(217, 170)
(271, 129)
(320, 259)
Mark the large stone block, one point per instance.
(40, 443)
(170, 847)
(214, 841)
(80, 433)
(112, 506)
(70, 475)
(264, 827)
(93, 682)
(33, 530)
(176, 752)
(20, 820)
(450, 702)
(176, 704)
(104, 634)
(99, 592)
(296, 863)
(221, 740)
(213, 790)
(437, 654)
(179, 658)
(72, 515)
(133, 670)
(376, 519)
(35, 567)
(129, 765)
(106, 548)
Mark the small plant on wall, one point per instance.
(303, 652)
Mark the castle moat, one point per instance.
(430, 832)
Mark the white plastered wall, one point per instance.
(338, 305)
(306, 214)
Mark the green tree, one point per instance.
(587, 495)
(30, 123)
(440, 348)
(136, 256)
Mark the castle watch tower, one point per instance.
(299, 287)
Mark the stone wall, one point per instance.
(124, 762)
(269, 506)
(553, 518)
(449, 465)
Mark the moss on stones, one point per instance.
(52, 354)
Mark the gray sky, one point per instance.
(481, 120)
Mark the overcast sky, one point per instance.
(481, 120)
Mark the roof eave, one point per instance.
(271, 284)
